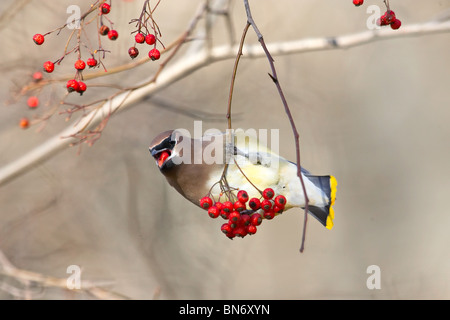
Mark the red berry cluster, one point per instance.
(104, 30)
(76, 84)
(387, 19)
(149, 39)
(244, 215)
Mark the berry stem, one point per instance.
(274, 78)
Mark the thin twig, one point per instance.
(274, 78)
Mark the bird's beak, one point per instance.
(160, 156)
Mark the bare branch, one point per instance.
(197, 60)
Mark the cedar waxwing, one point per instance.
(195, 168)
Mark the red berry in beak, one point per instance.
(162, 158)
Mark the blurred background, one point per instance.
(374, 116)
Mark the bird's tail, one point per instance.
(328, 185)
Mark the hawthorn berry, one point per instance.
(104, 30)
(227, 207)
(239, 206)
(133, 52)
(269, 214)
(234, 217)
(206, 203)
(358, 2)
(49, 66)
(150, 39)
(91, 62)
(242, 196)
(277, 209)
(37, 76)
(72, 85)
(224, 214)
(154, 54)
(139, 38)
(240, 232)
(268, 193)
(256, 219)
(251, 229)
(226, 228)
(105, 8)
(280, 200)
(81, 87)
(245, 219)
(113, 35)
(213, 212)
(24, 123)
(396, 24)
(219, 205)
(33, 101)
(389, 16)
(80, 64)
(38, 39)
(254, 203)
(266, 205)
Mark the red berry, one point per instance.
(389, 16)
(91, 62)
(72, 85)
(104, 30)
(251, 229)
(33, 102)
(269, 214)
(266, 205)
(37, 76)
(234, 216)
(80, 65)
(133, 52)
(239, 206)
(24, 123)
(396, 24)
(245, 219)
(240, 232)
(268, 193)
(213, 212)
(105, 8)
(139, 38)
(254, 203)
(150, 39)
(358, 2)
(81, 87)
(49, 66)
(113, 34)
(224, 214)
(242, 196)
(219, 205)
(256, 219)
(226, 228)
(154, 54)
(206, 203)
(227, 206)
(38, 39)
(280, 200)
(277, 209)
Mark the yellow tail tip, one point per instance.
(333, 187)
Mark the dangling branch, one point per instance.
(274, 78)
